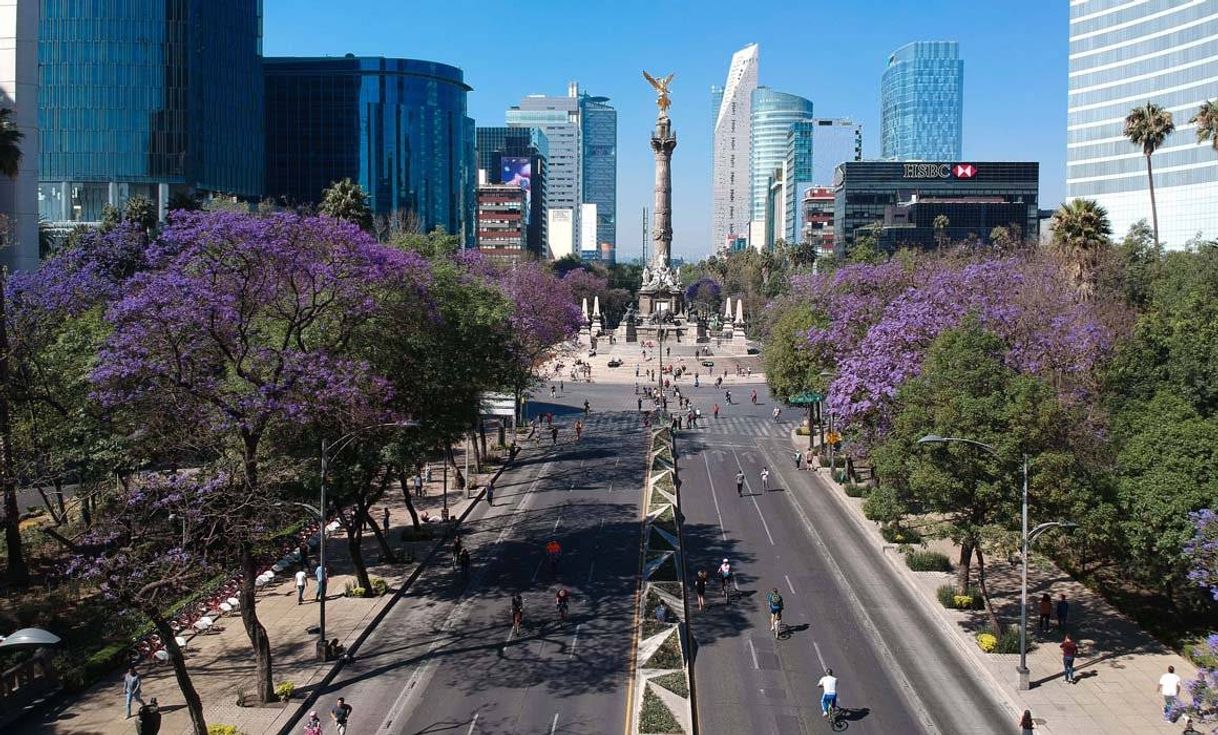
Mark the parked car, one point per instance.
(708, 363)
(615, 362)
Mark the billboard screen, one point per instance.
(516, 172)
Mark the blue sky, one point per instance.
(833, 53)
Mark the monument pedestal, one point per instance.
(659, 301)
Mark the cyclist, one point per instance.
(775, 601)
(727, 397)
(725, 575)
(765, 479)
(828, 682)
(456, 549)
(562, 600)
(739, 485)
(553, 551)
(777, 412)
(553, 435)
(715, 410)
(753, 397)
(700, 586)
(579, 429)
(587, 408)
(517, 612)
(553, 391)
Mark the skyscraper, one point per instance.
(731, 203)
(397, 127)
(1124, 55)
(599, 121)
(773, 114)
(922, 102)
(147, 97)
(518, 156)
(798, 176)
(19, 90)
(834, 141)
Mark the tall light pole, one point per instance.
(660, 375)
(1025, 543)
(327, 450)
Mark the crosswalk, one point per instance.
(613, 422)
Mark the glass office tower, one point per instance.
(799, 176)
(773, 114)
(599, 122)
(922, 102)
(148, 97)
(398, 127)
(1123, 55)
(730, 172)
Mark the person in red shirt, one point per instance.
(1069, 651)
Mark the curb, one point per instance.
(307, 703)
(945, 625)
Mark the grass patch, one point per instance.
(656, 718)
(657, 498)
(650, 604)
(667, 656)
(927, 561)
(666, 572)
(651, 626)
(674, 682)
(667, 520)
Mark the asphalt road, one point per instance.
(844, 606)
(445, 659)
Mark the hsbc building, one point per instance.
(900, 201)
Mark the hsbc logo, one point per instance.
(939, 171)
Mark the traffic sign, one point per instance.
(803, 399)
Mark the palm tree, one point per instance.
(10, 137)
(1081, 232)
(1206, 121)
(1148, 126)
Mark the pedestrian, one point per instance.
(303, 550)
(320, 574)
(579, 429)
(700, 587)
(1069, 651)
(385, 518)
(1063, 612)
(490, 494)
(302, 580)
(640, 402)
(132, 685)
(561, 389)
(427, 477)
(1169, 687)
(1025, 723)
(418, 485)
(715, 410)
(765, 479)
(553, 435)
(1046, 609)
(740, 483)
(464, 561)
(553, 392)
(797, 457)
(148, 720)
(313, 724)
(340, 713)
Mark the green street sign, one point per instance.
(803, 399)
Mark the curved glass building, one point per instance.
(774, 114)
(730, 174)
(147, 97)
(922, 102)
(1123, 55)
(398, 127)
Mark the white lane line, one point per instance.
(822, 658)
(753, 651)
(752, 497)
(789, 585)
(574, 643)
(537, 571)
(556, 520)
(710, 482)
(472, 725)
(590, 568)
(554, 724)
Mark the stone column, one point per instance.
(663, 141)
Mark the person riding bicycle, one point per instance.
(777, 412)
(828, 682)
(587, 408)
(553, 551)
(725, 574)
(562, 599)
(753, 397)
(739, 485)
(775, 601)
(517, 611)
(464, 561)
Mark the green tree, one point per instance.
(1206, 121)
(1081, 232)
(140, 211)
(347, 200)
(435, 244)
(10, 144)
(789, 369)
(940, 225)
(1148, 126)
(18, 571)
(1129, 275)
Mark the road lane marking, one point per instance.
(472, 725)
(590, 568)
(761, 515)
(710, 482)
(574, 643)
(556, 520)
(554, 724)
(537, 571)
(822, 658)
(791, 586)
(753, 651)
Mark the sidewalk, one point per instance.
(1118, 666)
(221, 663)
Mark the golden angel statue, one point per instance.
(661, 86)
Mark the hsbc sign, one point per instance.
(939, 171)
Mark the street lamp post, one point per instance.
(1025, 543)
(660, 375)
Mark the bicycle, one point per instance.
(780, 628)
(517, 620)
(725, 584)
(837, 717)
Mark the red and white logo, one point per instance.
(964, 171)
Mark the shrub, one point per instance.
(949, 599)
(223, 730)
(839, 476)
(667, 656)
(1008, 642)
(674, 682)
(855, 491)
(666, 572)
(884, 505)
(656, 717)
(896, 534)
(284, 691)
(651, 626)
(356, 591)
(987, 642)
(928, 561)
(379, 586)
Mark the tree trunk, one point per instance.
(962, 568)
(985, 593)
(382, 540)
(194, 705)
(63, 508)
(265, 690)
(405, 482)
(46, 502)
(1154, 210)
(355, 541)
(452, 462)
(479, 455)
(18, 570)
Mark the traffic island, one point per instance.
(662, 702)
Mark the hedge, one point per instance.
(656, 717)
(674, 682)
(928, 561)
(949, 599)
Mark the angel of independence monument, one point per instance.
(660, 296)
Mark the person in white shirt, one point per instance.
(765, 479)
(828, 682)
(302, 579)
(1169, 687)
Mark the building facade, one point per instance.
(731, 202)
(150, 98)
(797, 173)
(398, 127)
(976, 197)
(518, 156)
(834, 141)
(773, 114)
(559, 119)
(19, 93)
(502, 213)
(1123, 55)
(922, 103)
(817, 205)
(599, 122)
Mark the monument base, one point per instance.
(658, 303)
